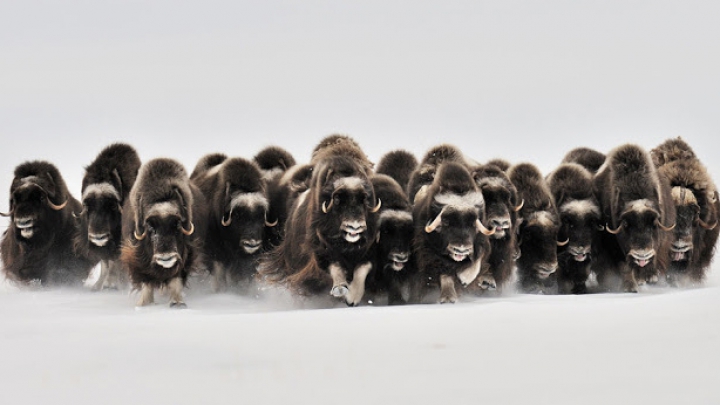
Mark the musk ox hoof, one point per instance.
(178, 305)
(451, 299)
(652, 279)
(487, 282)
(630, 287)
(339, 291)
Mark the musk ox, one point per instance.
(501, 206)
(637, 210)
(331, 228)
(588, 158)
(238, 218)
(696, 206)
(579, 211)
(38, 244)
(105, 188)
(424, 174)
(501, 164)
(164, 230)
(451, 241)
(274, 163)
(537, 231)
(394, 269)
(398, 164)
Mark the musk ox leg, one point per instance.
(629, 284)
(176, 289)
(469, 274)
(116, 276)
(357, 287)
(447, 289)
(147, 295)
(102, 279)
(340, 286)
(219, 280)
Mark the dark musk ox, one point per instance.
(105, 188)
(274, 163)
(579, 211)
(164, 230)
(637, 210)
(38, 244)
(588, 158)
(451, 241)
(501, 206)
(398, 164)
(537, 231)
(393, 241)
(424, 173)
(695, 198)
(331, 228)
(238, 219)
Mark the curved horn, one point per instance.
(482, 229)
(229, 220)
(663, 227)
(141, 236)
(325, 209)
(57, 207)
(613, 231)
(377, 207)
(563, 243)
(519, 207)
(270, 224)
(601, 228)
(77, 216)
(700, 222)
(2, 214)
(429, 228)
(190, 231)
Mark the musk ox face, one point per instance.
(500, 207)
(101, 216)
(538, 243)
(31, 205)
(346, 203)
(455, 226)
(245, 219)
(579, 223)
(688, 222)
(394, 238)
(638, 231)
(162, 228)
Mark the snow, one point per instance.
(75, 346)
(517, 79)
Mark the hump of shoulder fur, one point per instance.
(443, 153)
(341, 145)
(207, 163)
(630, 160)
(274, 157)
(158, 180)
(688, 174)
(242, 174)
(672, 150)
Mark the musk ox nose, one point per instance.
(99, 239)
(24, 223)
(642, 257)
(579, 253)
(353, 230)
(500, 223)
(459, 252)
(166, 260)
(680, 249)
(546, 269)
(398, 260)
(251, 246)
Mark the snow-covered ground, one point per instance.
(73, 346)
(518, 79)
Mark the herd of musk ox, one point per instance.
(341, 226)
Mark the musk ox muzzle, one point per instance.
(641, 257)
(353, 230)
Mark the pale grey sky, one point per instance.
(523, 80)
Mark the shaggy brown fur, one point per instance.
(38, 242)
(633, 194)
(425, 172)
(398, 164)
(695, 199)
(335, 145)
(588, 158)
(501, 164)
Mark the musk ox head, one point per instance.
(100, 221)
(501, 200)
(689, 220)
(579, 224)
(37, 196)
(395, 224)
(346, 201)
(637, 230)
(537, 238)
(244, 205)
(456, 209)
